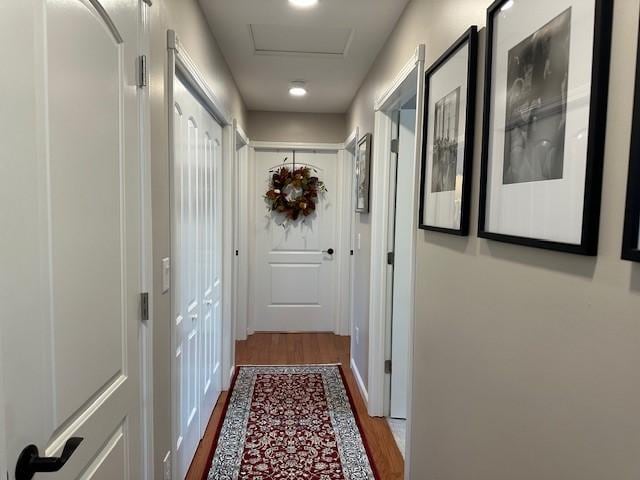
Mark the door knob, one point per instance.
(30, 462)
(330, 251)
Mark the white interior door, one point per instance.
(402, 265)
(197, 291)
(295, 276)
(71, 246)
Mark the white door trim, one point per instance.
(341, 325)
(323, 147)
(379, 301)
(241, 232)
(146, 257)
(351, 148)
(180, 62)
(228, 208)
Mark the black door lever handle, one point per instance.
(30, 462)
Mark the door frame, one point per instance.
(241, 225)
(146, 256)
(180, 62)
(341, 325)
(390, 100)
(351, 149)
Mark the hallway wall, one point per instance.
(187, 19)
(296, 127)
(526, 361)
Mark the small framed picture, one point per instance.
(447, 152)
(631, 239)
(546, 85)
(363, 167)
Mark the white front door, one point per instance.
(401, 318)
(70, 201)
(197, 290)
(295, 275)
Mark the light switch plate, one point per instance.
(166, 274)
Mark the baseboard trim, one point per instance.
(361, 387)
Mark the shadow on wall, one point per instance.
(576, 265)
(635, 278)
(452, 242)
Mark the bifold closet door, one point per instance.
(196, 234)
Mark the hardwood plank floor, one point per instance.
(307, 348)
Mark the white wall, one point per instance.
(526, 361)
(296, 127)
(186, 18)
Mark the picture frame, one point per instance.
(631, 236)
(363, 173)
(554, 203)
(447, 146)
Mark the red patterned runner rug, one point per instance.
(290, 423)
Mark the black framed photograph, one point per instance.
(631, 238)
(546, 85)
(363, 167)
(447, 145)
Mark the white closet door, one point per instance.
(196, 255)
(210, 221)
(70, 243)
(295, 275)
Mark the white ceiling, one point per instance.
(269, 43)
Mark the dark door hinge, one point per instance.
(142, 71)
(387, 366)
(394, 146)
(237, 253)
(390, 258)
(351, 252)
(144, 306)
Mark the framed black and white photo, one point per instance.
(363, 166)
(631, 238)
(546, 84)
(447, 152)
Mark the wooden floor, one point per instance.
(307, 348)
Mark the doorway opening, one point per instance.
(395, 174)
(399, 265)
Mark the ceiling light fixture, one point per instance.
(297, 89)
(303, 3)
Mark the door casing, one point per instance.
(343, 247)
(408, 82)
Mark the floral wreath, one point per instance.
(293, 192)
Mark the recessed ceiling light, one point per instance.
(303, 3)
(297, 89)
